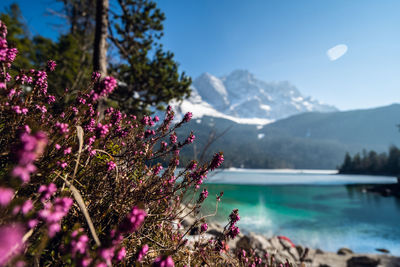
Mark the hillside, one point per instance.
(306, 141)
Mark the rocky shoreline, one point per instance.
(283, 249)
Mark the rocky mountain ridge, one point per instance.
(243, 98)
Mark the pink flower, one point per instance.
(85, 262)
(23, 172)
(234, 216)
(53, 213)
(190, 139)
(63, 165)
(204, 227)
(133, 220)
(203, 195)
(216, 161)
(51, 65)
(233, 231)
(157, 169)
(27, 206)
(63, 127)
(107, 85)
(51, 99)
(173, 138)
(107, 253)
(47, 191)
(32, 223)
(10, 242)
(101, 130)
(111, 165)
(6, 195)
(142, 252)
(79, 245)
(163, 261)
(188, 116)
(121, 254)
(67, 150)
(95, 76)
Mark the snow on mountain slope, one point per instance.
(242, 98)
(200, 108)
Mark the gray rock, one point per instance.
(276, 244)
(245, 243)
(294, 253)
(344, 251)
(260, 241)
(188, 221)
(362, 261)
(300, 250)
(253, 241)
(195, 231)
(383, 250)
(214, 232)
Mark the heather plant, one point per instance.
(80, 189)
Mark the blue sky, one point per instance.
(282, 40)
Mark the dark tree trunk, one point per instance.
(100, 39)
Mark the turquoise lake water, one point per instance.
(319, 210)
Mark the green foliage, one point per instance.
(149, 74)
(18, 36)
(73, 59)
(373, 163)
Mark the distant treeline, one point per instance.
(372, 163)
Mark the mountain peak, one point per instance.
(241, 96)
(239, 74)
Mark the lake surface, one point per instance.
(312, 208)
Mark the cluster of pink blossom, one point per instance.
(157, 169)
(102, 89)
(198, 175)
(163, 261)
(30, 148)
(188, 116)
(233, 230)
(173, 138)
(47, 191)
(102, 130)
(146, 120)
(17, 109)
(7, 55)
(216, 161)
(190, 138)
(111, 165)
(51, 65)
(203, 195)
(96, 76)
(142, 252)
(10, 242)
(79, 242)
(204, 227)
(53, 213)
(62, 127)
(40, 80)
(6, 195)
(40, 206)
(133, 220)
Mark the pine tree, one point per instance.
(149, 75)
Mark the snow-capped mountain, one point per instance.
(242, 98)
